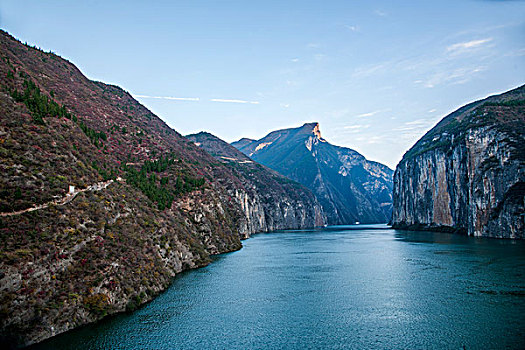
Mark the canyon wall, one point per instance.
(467, 174)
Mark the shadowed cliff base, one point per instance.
(432, 228)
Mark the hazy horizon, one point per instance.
(375, 75)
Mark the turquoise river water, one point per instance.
(341, 287)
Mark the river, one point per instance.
(341, 287)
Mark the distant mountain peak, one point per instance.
(349, 187)
(313, 128)
(244, 139)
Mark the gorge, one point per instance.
(102, 205)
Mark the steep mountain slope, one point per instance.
(467, 174)
(270, 200)
(101, 203)
(349, 187)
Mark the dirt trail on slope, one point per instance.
(68, 198)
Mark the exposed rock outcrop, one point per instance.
(269, 200)
(467, 174)
(349, 187)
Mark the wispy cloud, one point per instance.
(337, 113)
(381, 13)
(295, 60)
(368, 70)
(375, 139)
(435, 65)
(416, 126)
(418, 122)
(196, 99)
(467, 45)
(354, 129)
(370, 114)
(365, 115)
(454, 77)
(352, 28)
(170, 98)
(516, 53)
(408, 128)
(233, 101)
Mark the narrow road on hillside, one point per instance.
(68, 198)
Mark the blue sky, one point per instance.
(376, 74)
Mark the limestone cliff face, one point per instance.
(467, 174)
(263, 213)
(268, 200)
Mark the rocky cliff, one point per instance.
(101, 203)
(467, 174)
(349, 187)
(269, 200)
